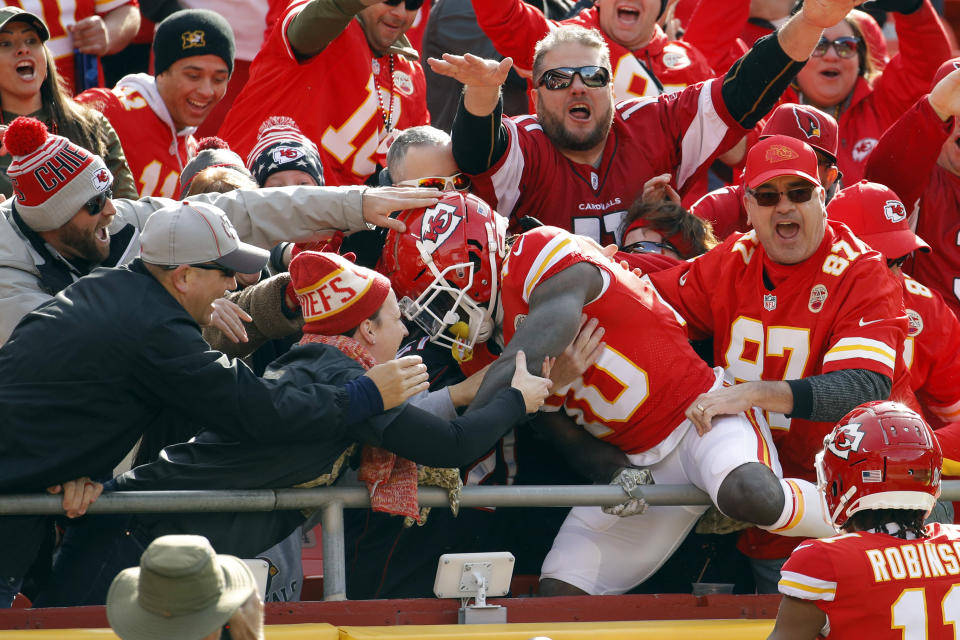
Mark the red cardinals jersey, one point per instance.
(878, 586)
(636, 393)
(679, 134)
(927, 188)
(342, 98)
(155, 152)
(820, 317)
(515, 27)
(930, 353)
(923, 47)
(59, 16)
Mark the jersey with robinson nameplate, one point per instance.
(930, 352)
(350, 130)
(879, 586)
(680, 134)
(636, 393)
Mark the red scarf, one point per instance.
(390, 479)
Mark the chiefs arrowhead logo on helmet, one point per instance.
(846, 439)
(439, 222)
(808, 123)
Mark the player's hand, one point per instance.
(580, 355)
(826, 13)
(399, 379)
(228, 317)
(90, 35)
(658, 188)
(77, 495)
(945, 96)
(380, 202)
(471, 70)
(628, 479)
(535, 389)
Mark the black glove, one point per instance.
(897, 6)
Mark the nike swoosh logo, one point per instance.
(863, 324)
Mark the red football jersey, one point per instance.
(59, 15)
(515, 27)
(878, 586)
(930, 353)
(155, 152)
(342, 98)
(678, 134)
(821, 316)
(636, 393)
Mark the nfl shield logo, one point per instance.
(594, 181)
(769, 301)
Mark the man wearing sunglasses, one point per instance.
(130, 358)
(806, 319)
(59, 229)
(581, 161)
(645, 61)
(345, 73)
(422, 157)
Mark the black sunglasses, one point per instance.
(770, 198)
(897, 262)
(562, 77)
(649, 246)
(846, 47)
(96, 204)
(213, 266)
(409, 5)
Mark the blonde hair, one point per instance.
(219, 180)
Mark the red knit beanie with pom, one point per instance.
(52, 177)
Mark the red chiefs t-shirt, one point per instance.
(839, 309)
(679, 134)
(636, 393)
(342, 99)
(879, 586)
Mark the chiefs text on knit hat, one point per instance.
(52, 177)
(335, 294)
(192, 32)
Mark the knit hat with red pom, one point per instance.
(211, 152)
(281, 146)
(335, 295)
(52, 177)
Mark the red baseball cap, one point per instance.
(878, 217)
(803, 122)
(780, 156)
(945, 69)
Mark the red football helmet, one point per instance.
(881, 455)
(445, 269)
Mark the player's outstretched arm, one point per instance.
(592, 458)
(552, 323)
(797, 620)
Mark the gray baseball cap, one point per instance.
(16, 13)
(194, 233)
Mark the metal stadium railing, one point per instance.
(332, 500)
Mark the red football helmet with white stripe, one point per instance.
(881, 455)
(445, 269)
